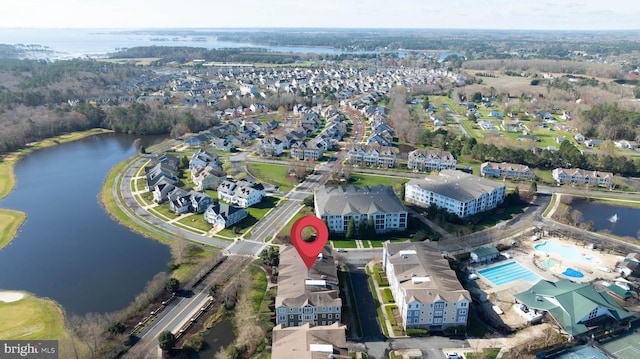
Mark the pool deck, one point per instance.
(534, 260)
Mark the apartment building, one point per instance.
(425, 288)
(457, 192)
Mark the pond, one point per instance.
(219, 336)
(619, 220)
(69, 249)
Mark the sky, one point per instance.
(429, 14)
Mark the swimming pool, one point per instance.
(566, 252)
(507, 273)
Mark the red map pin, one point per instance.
(309, 251)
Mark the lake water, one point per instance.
(71, 43)
(627, 224)
(219, 336)
(69, 249)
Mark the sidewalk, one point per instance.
(379, 296)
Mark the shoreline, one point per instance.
(8, 179)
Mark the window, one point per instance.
(330, 316)
(291, 316)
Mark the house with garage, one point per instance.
(208, 177)
(242, 193)
(223, 215)
(202, 159)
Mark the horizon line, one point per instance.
(308, 28)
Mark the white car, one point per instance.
(453, 355)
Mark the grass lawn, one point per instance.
(387, 297)
(270, 173)
(258, 287)
(10, 222)
(163, 212)
(140, 185)
(344, 244)
(147, 198)
(360, 180)
(196, 221)
(487, 353)
(304, 211)
(33, 318)
(109, 203)
(259, 210)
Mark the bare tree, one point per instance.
(179, 249)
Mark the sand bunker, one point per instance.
(10, 296)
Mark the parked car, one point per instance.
(453, 355)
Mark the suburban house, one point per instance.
(162, 190)
(270, 146)
(506, 170)
(307, 296)
(306, 150)
(431, 160)
(579, 176)
(372, 155)
(223, 215)
(310, 342)
(426, 290)
(242, 193)
(457, 192)
(202, 158)
(223, 144)
(632, 145)
(208, 177)
(159, 172)
(181, 201)
(484, 254)
(577, 308)
(378, 204)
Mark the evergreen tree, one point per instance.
(166, 340)
(371, 229)
(362, 229)
(533, 188)
(351, 229)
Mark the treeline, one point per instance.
(568, 156)
(186, 54)
(22, 124)
(39, 82)
(610, 122)
(546, 65)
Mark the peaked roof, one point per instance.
(569, 303)
(365, 200)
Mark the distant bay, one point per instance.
(79, 43)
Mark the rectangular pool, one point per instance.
(507, 273)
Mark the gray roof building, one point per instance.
(307, 296)
(458, 192)
(338, 205)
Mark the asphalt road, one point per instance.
(182, 309)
